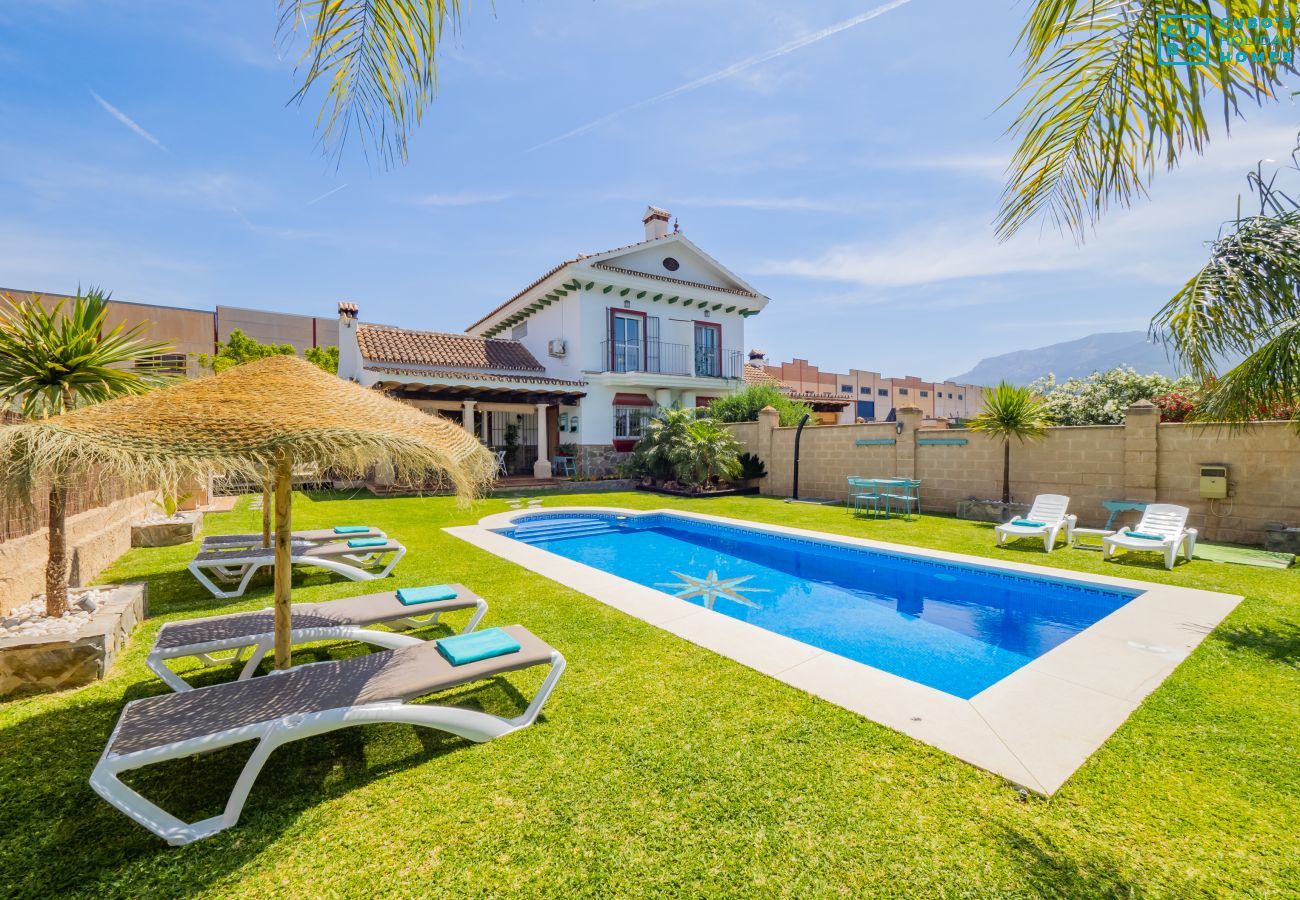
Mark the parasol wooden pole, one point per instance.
(283, 568)
(268, 500)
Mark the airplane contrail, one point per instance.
(127, 121)
(733, 69)
(326, 194)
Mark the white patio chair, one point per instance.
(1047, 516)
(298, 703)
(240, 564)
(344, 620)
(1163, 529)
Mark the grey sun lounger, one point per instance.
(342, 620)
(318, 536)
(240, 564)
(299, 703)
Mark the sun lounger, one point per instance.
(341, 620)
(1163, 529)
(239, 564)
(1045, 520)
(299, 703)
(319, 536)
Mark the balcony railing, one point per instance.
(660, 358)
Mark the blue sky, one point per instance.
(147, 147)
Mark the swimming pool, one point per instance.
(955, 627)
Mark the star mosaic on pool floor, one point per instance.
(711, 587)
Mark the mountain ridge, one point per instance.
(1074, 359)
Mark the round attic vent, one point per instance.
(671, 264)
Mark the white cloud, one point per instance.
(127, 121)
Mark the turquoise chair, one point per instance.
(904, 493)
(864, 492)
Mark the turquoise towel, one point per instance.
(485, 644)
(1028, 523)
(1145, 536)
(367, 542)
(351, 529)
(430, 594)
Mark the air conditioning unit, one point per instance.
(556, 347)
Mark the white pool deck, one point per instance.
(1035, 727)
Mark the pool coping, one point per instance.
(1035, 727)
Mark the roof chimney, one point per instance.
(757, 357)
(656, 222)
(347, 310)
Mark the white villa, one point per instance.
(579, 358)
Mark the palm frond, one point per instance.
(54, 358)
(1011, 411)
(377, 62)
(1250, 283)
(1101, 112)
(1262, 385)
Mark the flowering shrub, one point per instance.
(1102, 397)
(1175, 406)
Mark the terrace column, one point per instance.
(484, 430)
(542, 468)
(467, 415)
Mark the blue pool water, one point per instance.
(955, 627)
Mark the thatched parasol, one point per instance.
(260, 420)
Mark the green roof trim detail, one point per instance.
(624, 292)
(687, 302)
(590, 285)
(608, 288)
(672, 299)
(640, 295)
(657, 297)
(951, 442)
(875, 442)
(730, 309)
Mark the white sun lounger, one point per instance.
(1050, 509)
(239, 564)
(341, 620)
(298, 703)
(1167, 525)
(319, 536)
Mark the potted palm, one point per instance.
(1009, 412)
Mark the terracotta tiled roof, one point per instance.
(474, 376)
(695, 284)
(760, 375)
(434, 348)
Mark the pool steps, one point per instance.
(555, 530)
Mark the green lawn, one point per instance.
(660, 768)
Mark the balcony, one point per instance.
(659, 358)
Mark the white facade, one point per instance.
(684, 345)
(658, 323)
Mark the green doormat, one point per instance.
(1245, 556)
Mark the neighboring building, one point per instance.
(582, 356)
(192, 332)
(869, 396)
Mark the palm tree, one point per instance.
(376, 59)
(1101, 113)
(704, 451)
(1010, 411)
(1246, 301)
(55, 359)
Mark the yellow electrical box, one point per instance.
(1214, 482)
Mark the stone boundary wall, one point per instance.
(96, 538)
(1140, 460)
